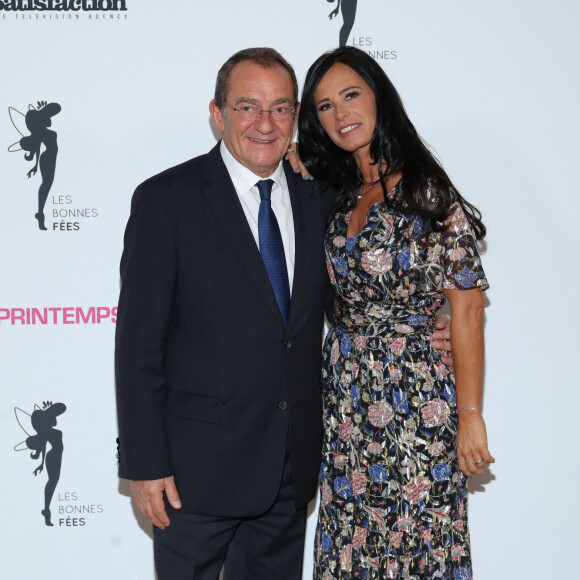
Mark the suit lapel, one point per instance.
(222, 198)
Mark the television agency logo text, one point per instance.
(63, 5)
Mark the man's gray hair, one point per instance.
(266, 57)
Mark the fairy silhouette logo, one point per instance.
(36, 136)
(40, 429)
(348, 11)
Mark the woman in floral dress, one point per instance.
(401, 432)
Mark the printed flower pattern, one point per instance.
(380, 413)
(393, 500)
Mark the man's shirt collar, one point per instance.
(243, 178)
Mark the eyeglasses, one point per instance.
(253, 112)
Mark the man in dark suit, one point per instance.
(218, 343)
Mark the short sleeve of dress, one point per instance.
(462, 264)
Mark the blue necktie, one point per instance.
(272, 248)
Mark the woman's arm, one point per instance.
(467, 347)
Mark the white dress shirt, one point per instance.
(244, 181)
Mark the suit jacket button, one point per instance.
(288, 344)
(283, 405)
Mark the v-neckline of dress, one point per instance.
(392, 192)
(366, 225)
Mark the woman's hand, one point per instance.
(472, 451)
(296, 162)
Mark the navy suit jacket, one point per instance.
(209, 380)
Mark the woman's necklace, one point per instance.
(362, 191)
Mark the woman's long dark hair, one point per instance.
(396, 147)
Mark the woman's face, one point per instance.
(346, 108)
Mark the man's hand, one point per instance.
(441, 340)
(148, 496)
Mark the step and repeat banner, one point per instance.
(98, 95)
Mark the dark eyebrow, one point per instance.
(348, 89)
(257, 103)
(280, 101)
(247, 100)
(340, 93)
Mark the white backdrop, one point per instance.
(492, 86)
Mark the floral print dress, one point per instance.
(393, 501)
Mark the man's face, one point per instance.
(261, 143)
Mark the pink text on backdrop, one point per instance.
(58, 315)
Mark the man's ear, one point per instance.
(217, 116)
